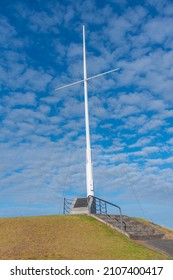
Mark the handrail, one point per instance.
(67, 205)
(106, 202)
(93, 208)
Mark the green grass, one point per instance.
(67, 237)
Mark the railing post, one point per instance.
(64, 206)
(92, 199)
(121, 220)
(105, 208)
(100, 207)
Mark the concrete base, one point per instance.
(79, 209)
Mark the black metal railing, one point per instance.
(67, 205)
(100, 206)
(97, 205)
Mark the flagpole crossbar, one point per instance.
(88, 79)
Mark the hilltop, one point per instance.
(67, 237)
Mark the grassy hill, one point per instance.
(66, 237)
(168, 232)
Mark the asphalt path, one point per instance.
(163, 245)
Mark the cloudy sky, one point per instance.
(42, 131)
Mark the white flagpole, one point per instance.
(89, 169)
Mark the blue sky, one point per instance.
(42, 131)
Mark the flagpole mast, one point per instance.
(89, 169)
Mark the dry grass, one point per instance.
(66, 237)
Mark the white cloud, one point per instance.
(170, 130)
(170, 141)
(141, 142)
(158, 29)
(161, 161)
(153, 124)
(42, 20)
(146, 151)
(7, 32)
(15, 98)
(42, 131)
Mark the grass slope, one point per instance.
(168, 232)
(66, 237)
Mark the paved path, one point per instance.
(164, 245)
